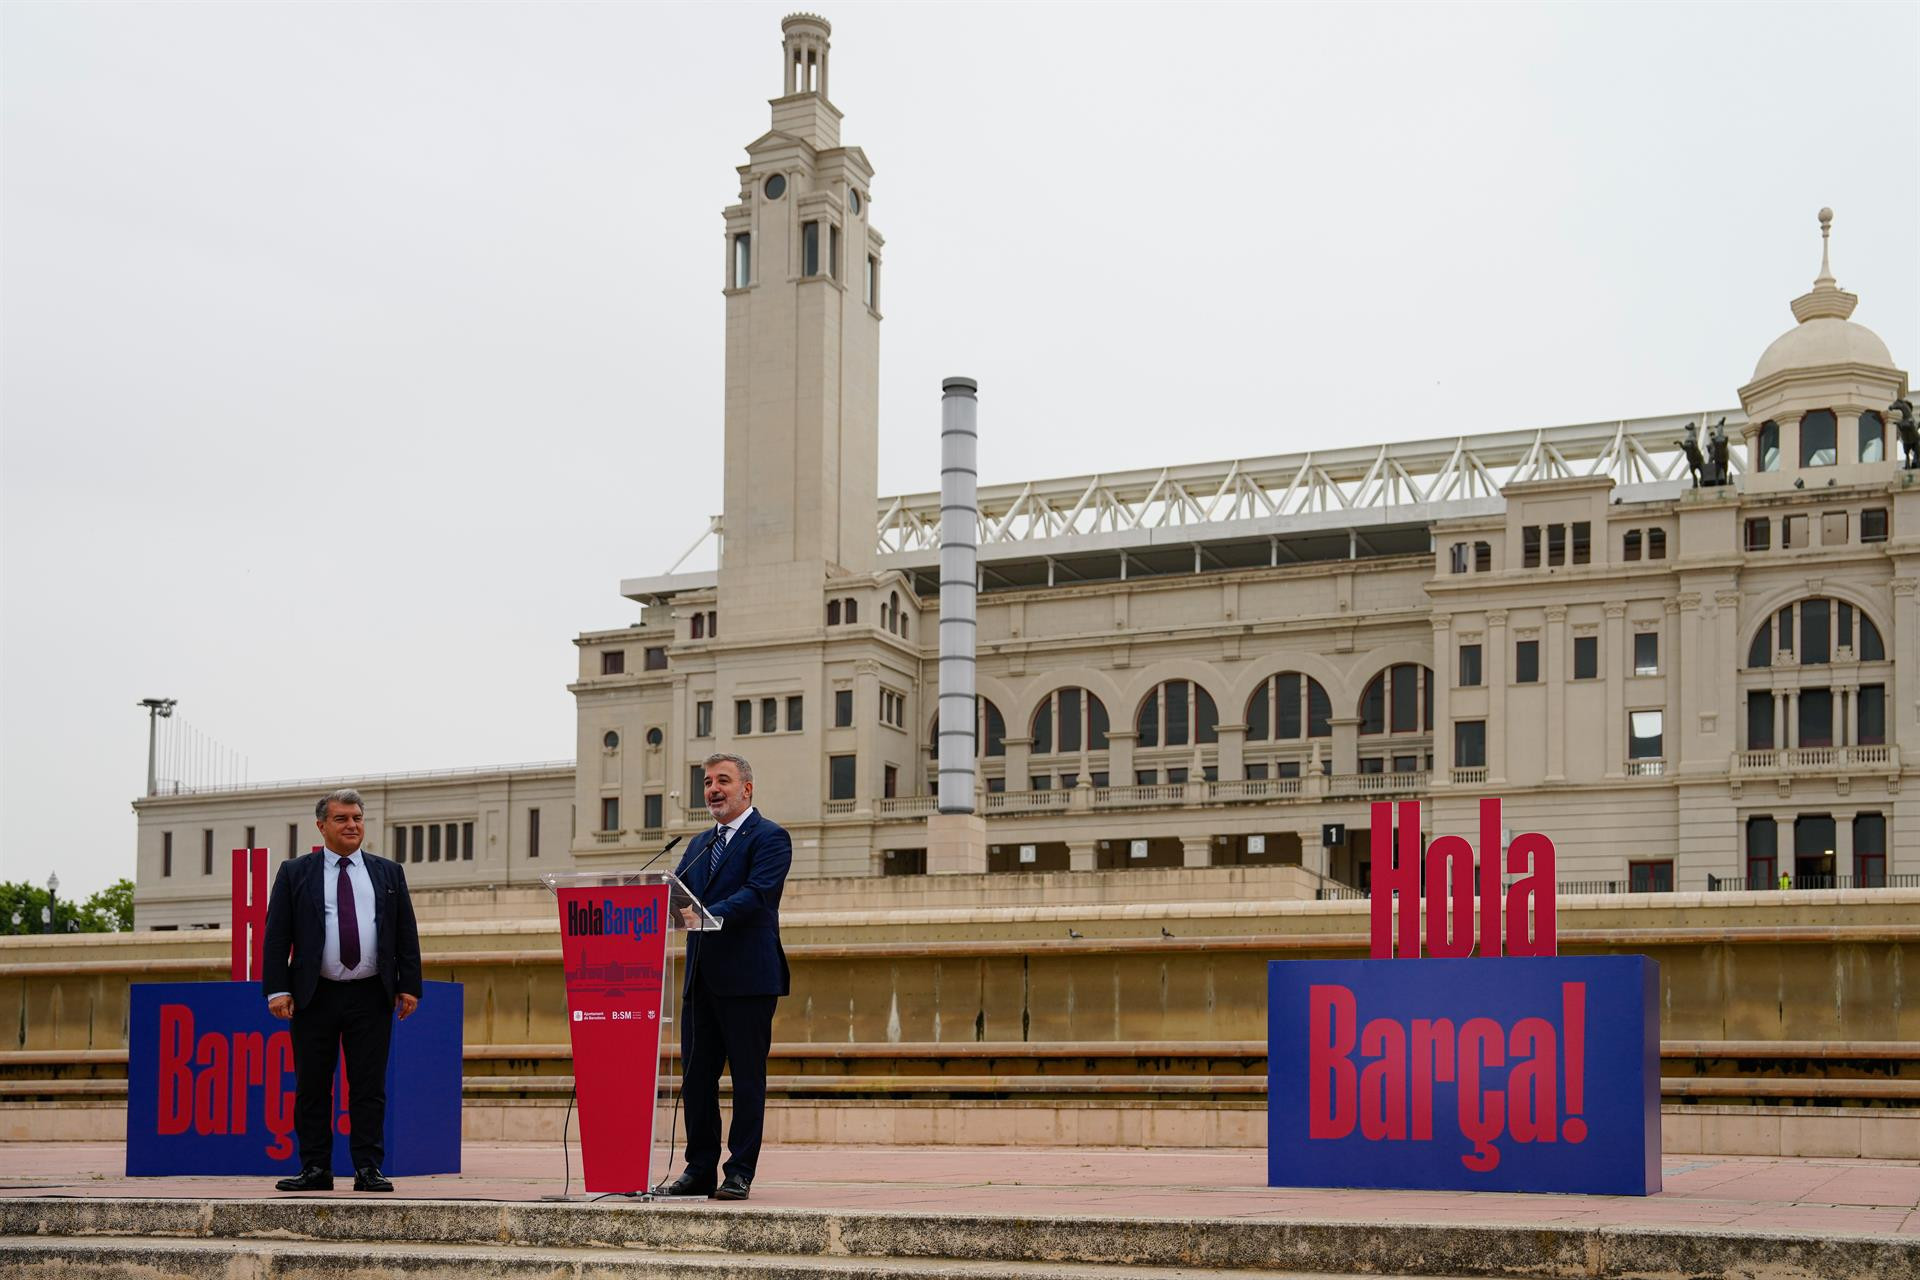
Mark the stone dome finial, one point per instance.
(1827, 300)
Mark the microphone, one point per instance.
(663, 853)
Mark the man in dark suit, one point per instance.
(342, 956)
(734, 976)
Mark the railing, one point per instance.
(907, 806)
(174, 787)
(1138, 794)
(607, 837)
(1473, 776)
(838, 808)
(1738, 884)
(1027, 801)
(1255, 788)
(1646, 768)
(1367, 784)
(1772, 760)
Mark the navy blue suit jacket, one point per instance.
(744, 957)
(297, 928)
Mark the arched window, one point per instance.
(1769, 446)
(1398, 700)
(1817, 439)
(833, 613)
(1176, 713)
(990, 728)
(1068, 718)
(903, 626)
(699, 626)
(853, 611)
(892, 622)
(1289, 706)
(1872, 437)
(1814, 630)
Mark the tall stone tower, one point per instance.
(803, 358)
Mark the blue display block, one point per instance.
(1514, 1074)
(210, 1084)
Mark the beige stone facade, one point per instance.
(1228, 663)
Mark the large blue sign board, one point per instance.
(1510, 1074)
(210, 1084)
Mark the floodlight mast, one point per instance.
(156, 709)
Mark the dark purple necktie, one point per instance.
(348, 915)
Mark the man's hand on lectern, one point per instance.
(691, 917)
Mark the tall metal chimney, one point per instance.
(959, 557)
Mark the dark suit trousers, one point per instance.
(355, 1018)
(736, 1031)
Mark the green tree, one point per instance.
(108, 911)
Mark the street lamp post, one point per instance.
(53, 896)
(157, 709)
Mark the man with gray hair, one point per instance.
(734, 977)
(342, 957)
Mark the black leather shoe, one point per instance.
(311, 1178)
(734, 1188)
(687, 1184)
(371, 1179)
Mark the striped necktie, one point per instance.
(719, 847)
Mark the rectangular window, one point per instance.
(1845, 615)
(433, 843)
(1526, 662)
(1759, 720)
(1146, 777)
(293, 842)
(1873, 715)
(842, 708)
(1763, 852)
(1288, 769)
(1630, 548)
(1287, 709)
(1759, 534)
(840, 777)
(1646, 653)
(1656, 544)
(794, 719)
(742, 718)
(1786, 629)
(1457, 558)
(1643, 735)
(1406, 697)
(1483, 557)
(533, 833)
(1816, 717)
(890, 782)
(1556, 544)
(696, 786)
(833, 250)
(206, 852)
(1176, 775)
(1040, 782)
(1650, 877)
(613, 662)
(1530, 547)
(466, 842)
(1406, 764)
(1869, 851)
(653, 811)
(249, 839)
(703, 719)
(1373, 764)
(1470, 744)
(1469, 665)
(809, 249)
(769, 715)
(1873, 524)
(1833, 528)
(873, 282)
(1817, 444)
(654, 658)
(1175, 694)
(1793, 532)
(419, 843)
(1582, 542)
(609, 813)
(1256, 772)
(742, 260)
(1871, 437)
(1814, 633)
(166, 853)
(1586, 657)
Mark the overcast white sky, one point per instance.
(353, 353)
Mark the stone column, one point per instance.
(1688, 671)
(1671, 733)
(1614, 656)
(1081, 856)
(1346, 744)
(1905, 693)
(1445, 669)
(1233, 739)
(1313, 854)
(1556, 693)
(1497, 658)
(1120, 757)
(1842, 845)
(1727, 659)
(1783, 848)
(866, 722)
(1845, 733)
(1196, 851)
(1792, 740)
(1019, 763)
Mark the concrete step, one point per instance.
(339, 1236)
